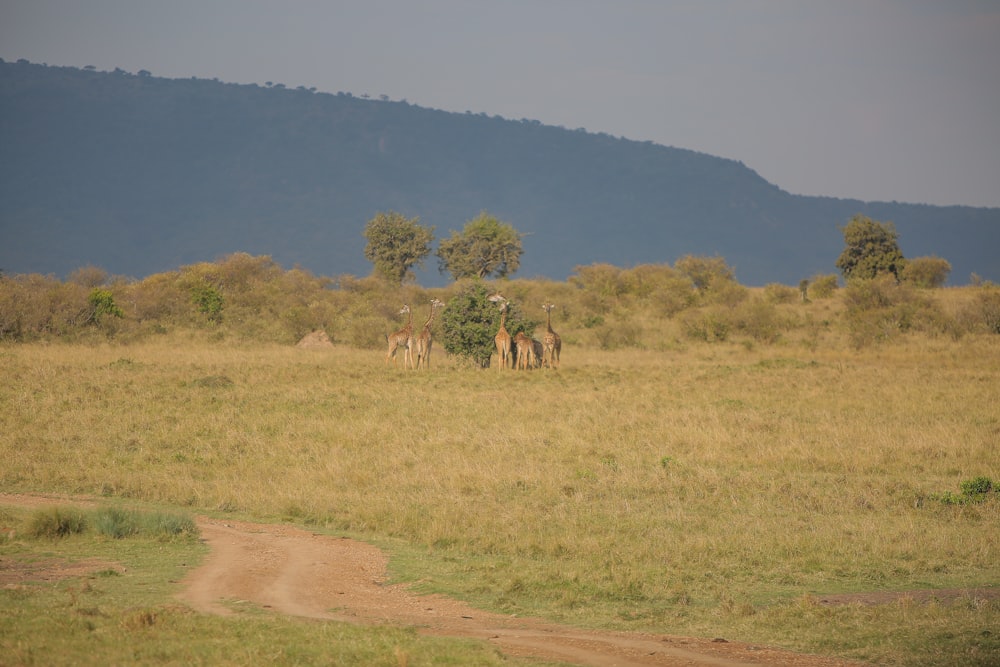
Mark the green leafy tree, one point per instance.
(470, 321)
(872, 249)
(485, 247)
(396, 244)
(209, 300)
(102, 304)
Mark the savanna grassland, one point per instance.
(712, 469)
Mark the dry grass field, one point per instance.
(712, 489)
(737, 464)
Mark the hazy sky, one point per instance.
(868, 99)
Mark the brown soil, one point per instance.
(293, 571)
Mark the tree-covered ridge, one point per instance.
(138, 174)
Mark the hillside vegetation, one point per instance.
(708, 459)
(647, 307)
(139, 174)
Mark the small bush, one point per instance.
(102, 303)
(209, 301)
(976, 486)
(988, 310)
(778, 293)
(880, 308)
(709, 326)
(976, 490)
(119, 523)
(56, 522)
(926, 271)
(823, 287)
(759, 319)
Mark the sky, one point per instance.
(878, 100)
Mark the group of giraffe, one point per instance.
(522, 351)
(519, 351)
(404, 339)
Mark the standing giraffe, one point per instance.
(539, 350)
(551, 342)
(424, 339)
(502, 339)
(525, 351)
(403, 337)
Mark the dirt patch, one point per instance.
(15, 573)
(296, 572)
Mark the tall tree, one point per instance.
(396, 244)
(485, 247)
(872, 248)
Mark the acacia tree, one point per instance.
(485, 247)
(396, 244)
(872, 249)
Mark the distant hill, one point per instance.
(138, 174)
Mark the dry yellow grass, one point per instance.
(695, 487)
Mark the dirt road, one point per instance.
(292, 571)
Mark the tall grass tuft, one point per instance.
(56, 522)
(120, 523)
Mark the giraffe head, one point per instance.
(404, 310)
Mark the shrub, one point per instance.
(823, 286)
(926, 271)
(987, 310)
(758, 319)
(119, 523)
(726, 293)
(103, 304)
(778, 293)
(55, 522)
(88, 276)
(976, 490)
(881, 308)
(623, 334)
(706, 325)
(209, 301)
(704, 272)
(976, 486)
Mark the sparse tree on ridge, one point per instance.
(396, 244)
(485, 247)
(872, 249)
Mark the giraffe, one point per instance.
(424, 339)
(552, 343)
(404, 338)
(502, 339)
(525, 351)
(539, 349)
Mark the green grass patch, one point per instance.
(126, 613)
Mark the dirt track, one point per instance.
(295, 572)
